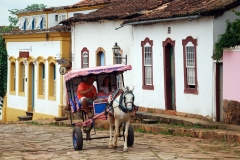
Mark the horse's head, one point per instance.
(128, 98)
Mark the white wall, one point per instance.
(103, 34)
(71, 14)
(93, 35)
(45, 49)
(199, 29)
(51, 20)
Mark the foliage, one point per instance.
(3, 68)
(230, 38)
(13, 19)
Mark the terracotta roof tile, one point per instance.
(180, 8)
(142, 10)
(58, 28)
(91, 2)
(119, 9)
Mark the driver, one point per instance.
(86, 94)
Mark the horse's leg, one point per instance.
(125, 148)
(116, 134)
(111, 122)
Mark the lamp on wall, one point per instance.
(117, 55)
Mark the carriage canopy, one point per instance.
(96, 70)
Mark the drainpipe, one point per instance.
(190, 18)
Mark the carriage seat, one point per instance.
(76, 106)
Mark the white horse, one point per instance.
(121, 108)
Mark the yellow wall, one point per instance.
(11, 114)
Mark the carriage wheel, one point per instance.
(130, 139)
(77, 138)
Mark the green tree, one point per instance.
(13, 19)
(230, 38)
(3, 69)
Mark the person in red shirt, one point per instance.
(86, 93)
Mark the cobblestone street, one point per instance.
(46, 142)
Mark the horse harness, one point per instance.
(122, 94)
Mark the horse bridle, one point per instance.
(123, 95)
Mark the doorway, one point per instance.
(169, 74)
(31, 86)
(219, 92)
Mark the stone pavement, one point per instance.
(49, 142)
(175, 125)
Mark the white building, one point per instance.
(169, 48)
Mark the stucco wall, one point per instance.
(231, 75)
(45, 49)
(94, 35)
(102, 34)
(199, 29)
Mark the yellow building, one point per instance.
(34, 81)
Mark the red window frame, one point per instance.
(83, 51)
(187, 88)
(143, 43)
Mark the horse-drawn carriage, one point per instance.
(117, 106)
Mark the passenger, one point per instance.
(86, 94)
(106, 86)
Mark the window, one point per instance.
(41, 79)
(52, 80)
(147, 66)
(42, 23)
(33, 23)
(56, 18)
(22, 23)
(85, 58)
(21, 82)
(190, 65)
(30, 23)
(61, 17)
(12, 75)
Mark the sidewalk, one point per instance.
(169, 124)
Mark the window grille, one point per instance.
(148, 64)
(85, 60)
(190, 65)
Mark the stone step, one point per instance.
(24, 118)
(29, 113)
(149, 121)
(60, 118)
